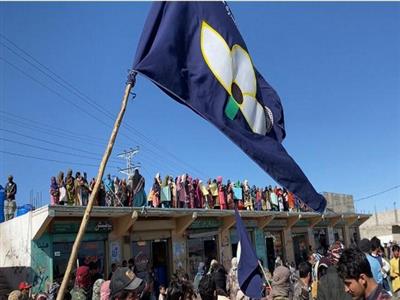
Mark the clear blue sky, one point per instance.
(336, 67)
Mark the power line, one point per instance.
(51, 133)
(47, 142)
(58, 94)
(63, 83)
(85, 98)
(50, 150)
(60, 132)
(53, 91)
(379, 193)
(47, 159)
(82, 139)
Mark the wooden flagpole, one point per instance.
(86, 216)
(265, 275)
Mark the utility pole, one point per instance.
(130, 166)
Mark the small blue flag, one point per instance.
(249, 273)
(194, 52)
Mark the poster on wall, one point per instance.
(115, 251)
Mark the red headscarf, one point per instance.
(83, 279)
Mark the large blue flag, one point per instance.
(194, 52)
(249, 273)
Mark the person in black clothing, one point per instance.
(219, 277)
(94, 271)
(113, 268)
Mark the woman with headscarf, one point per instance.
(124, 193)
(137, 188)
(279, 193)
(247, 195)
(221, 193)
(82, 287)
(172, 187)
(109, 187)
(54, 192)
(183, 195)
(274, 199)
(165, 197)
(85, 189)
(61, 188)
(238, 195)
(70, 188)
(190, 189)
(178, 191)
(229, 195)
(214, 194)
(253, 194)
(258, 203)
(77, 188)
(96, 201)
(155, 192)
(105, 290)
(290, 200)
(96, 294)
(117, 192)
(204, 193)
(198, 203)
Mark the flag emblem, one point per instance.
(234, 70)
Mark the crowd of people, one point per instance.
(179, 192)
(363, 272)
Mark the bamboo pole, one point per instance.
(265, 275)
(86, 216)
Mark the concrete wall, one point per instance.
(380, 225)
(340, 203)
(15, 251)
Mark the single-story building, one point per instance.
(36, 246)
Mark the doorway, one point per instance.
(201, 249)
(300, 247)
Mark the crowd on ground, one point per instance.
(179, 192)
(364, 272)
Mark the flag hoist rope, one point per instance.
(74, 253)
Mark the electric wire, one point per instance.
(42, 126)
(144, 156)
(379, 193)
(43, 85)
(85, 98)
(50, 150)
(47, 159)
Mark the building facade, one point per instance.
(38, 244)
(384, 225)
(339, 203)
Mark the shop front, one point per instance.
(92, 251)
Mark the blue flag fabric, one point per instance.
(194, 52)
(249, 273)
